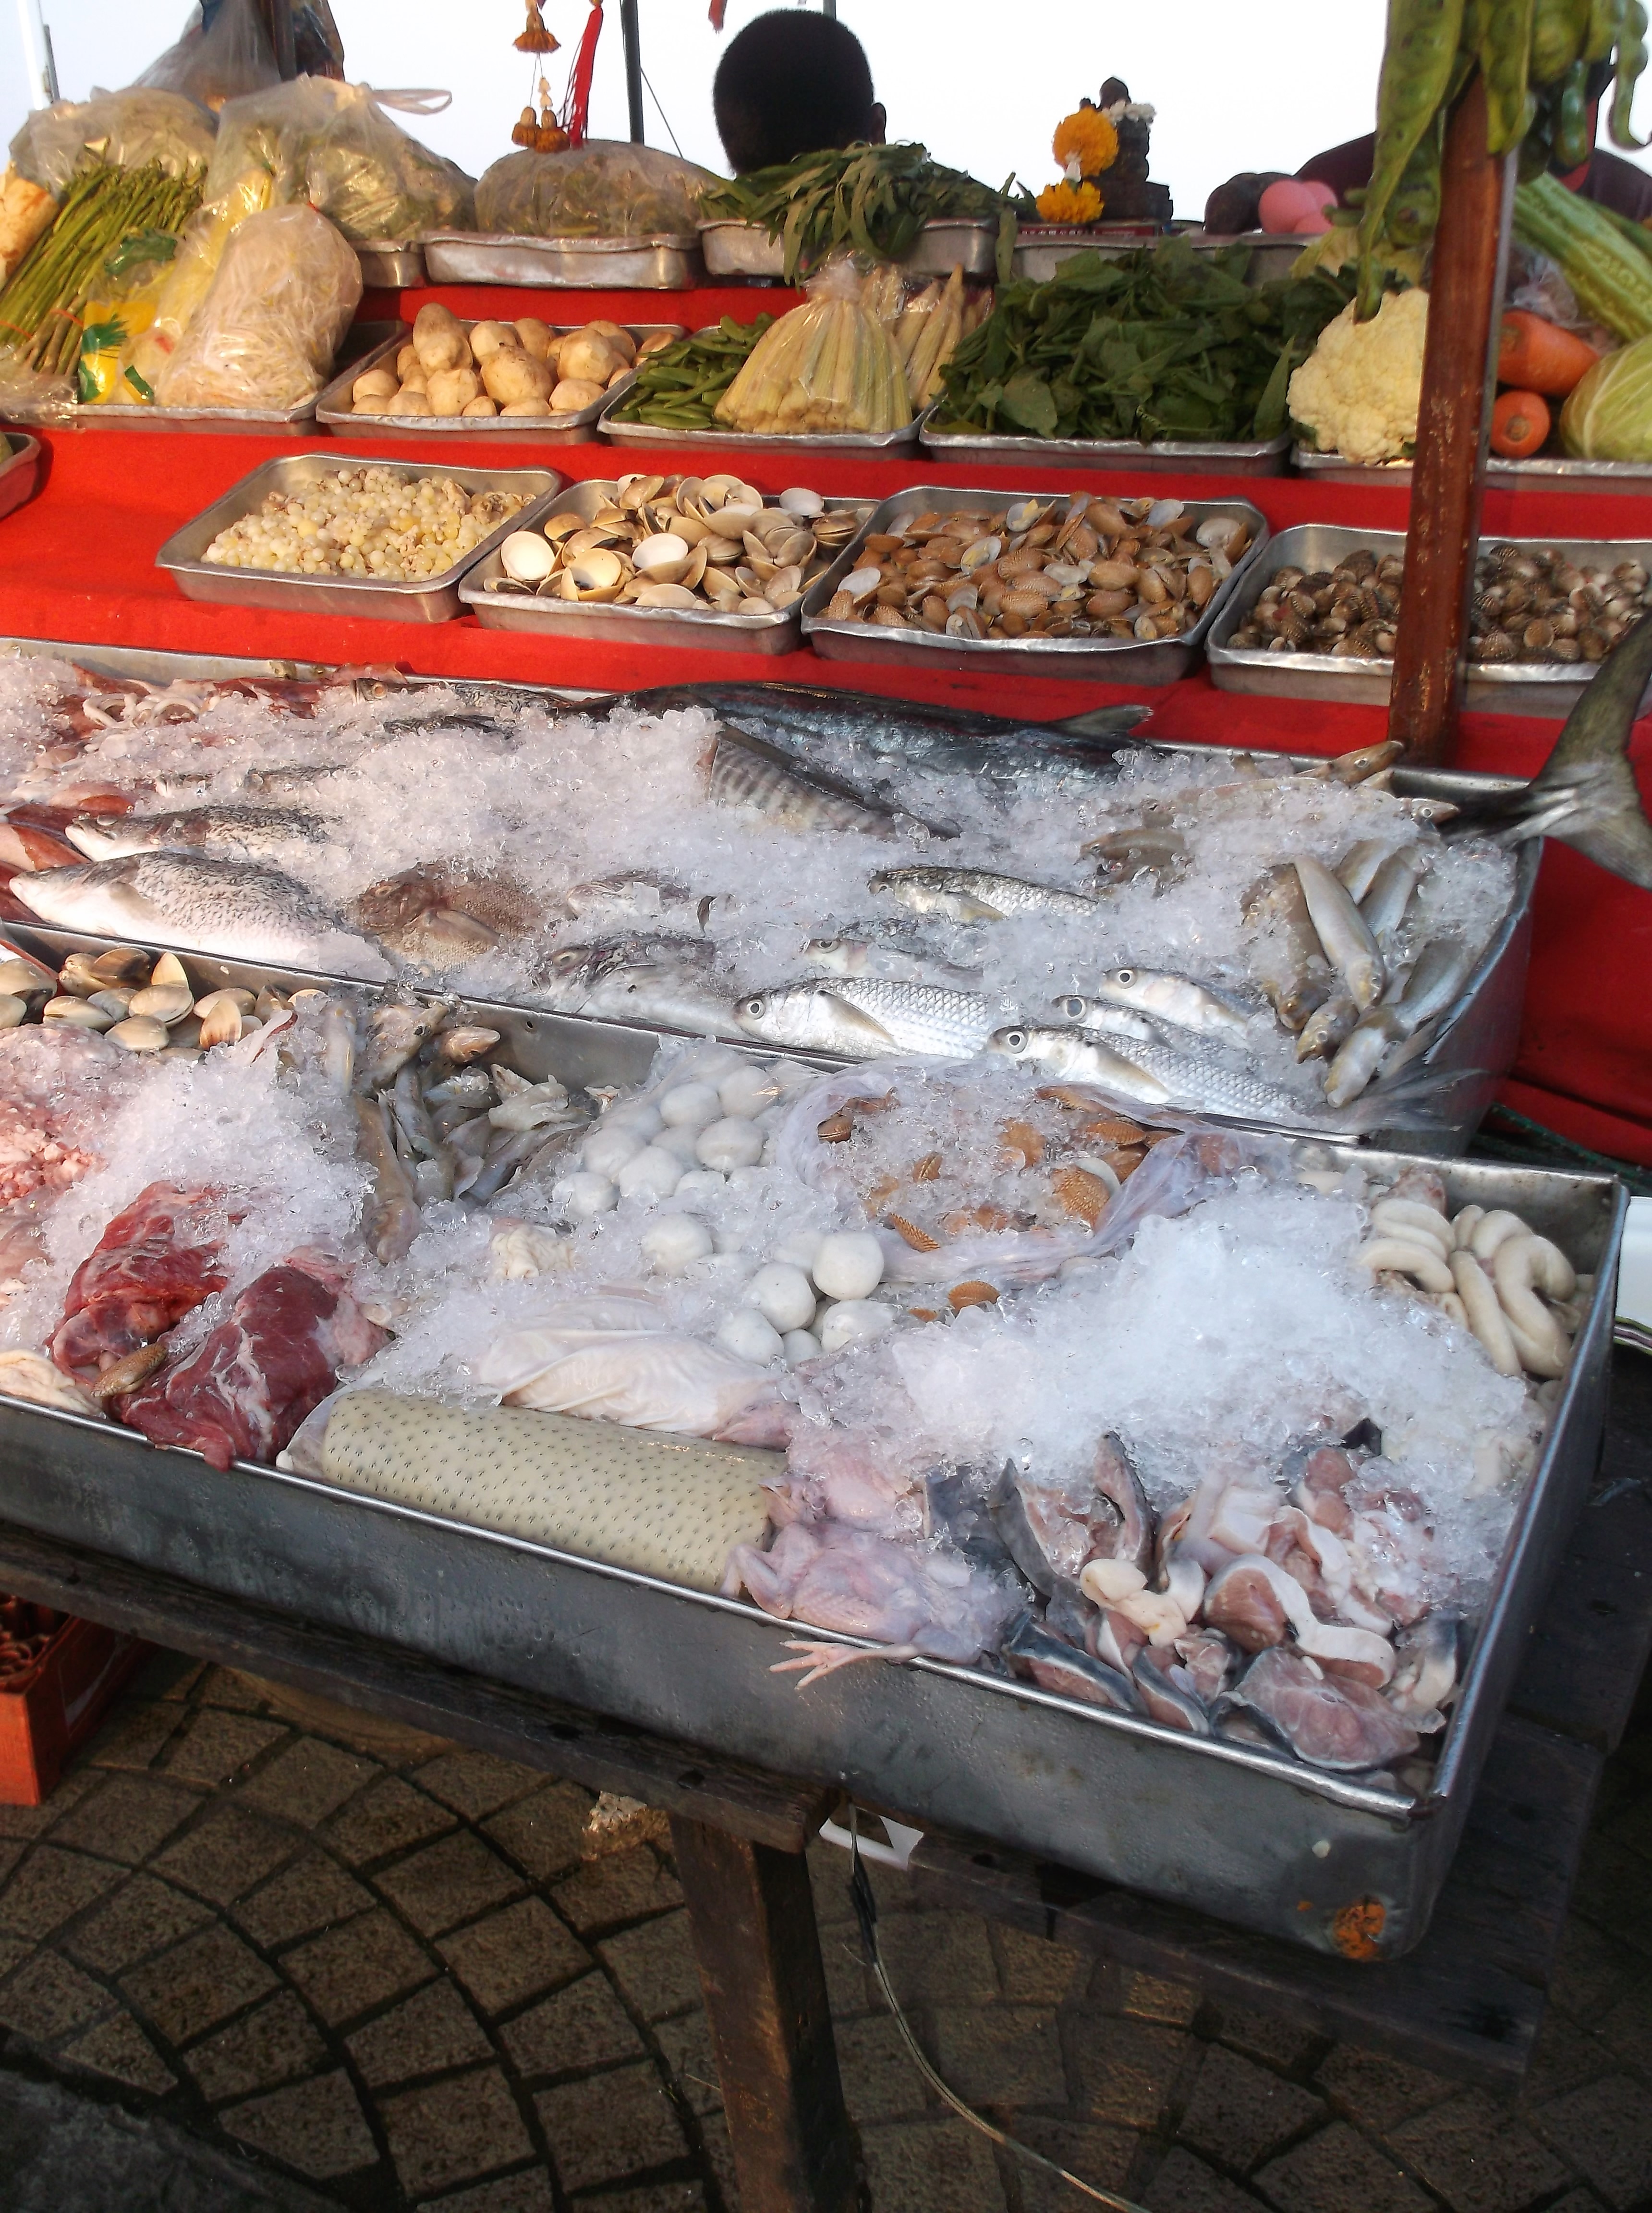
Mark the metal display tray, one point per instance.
(433, 600)
(20, 469)
(754, 442)
(1543, 473)
(1212, 457)
(1040, 249)
(732, 248)
(1113, 661)
(391, 264)
(1284, 1849)
(1537, 687)
(668, 263)
(779, 632)
(577, 427)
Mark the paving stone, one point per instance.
(133, 1735)
(543, 1832)
(1185, 2184)
(143, 1915)
(387, 1818)
(685, 2045)
(880, 2082)
(1593, 1971)
(936, 2167)
(217, 1745)
(1127, 2069)
(513, 1955)
(1338, 2172)
(454, 2130)
(27, 1821)
(1626, 2027)
(1239, 2112)
(128, 1817)
(511, 2193)
(1033, 1970)
(477, 1783)
(317, 2127)
(312, 1894)
(448, 1882)
(1478, 2156)
(10, 1856)
(1000, 2055)
(351, 1969)
(654, 1967)
(198, 1983)
(53, 1888)
(1263, 2036)
(433, 2032)
(609, 2127)
(720, 2158)
(1605, 2130)
(229, 1849)
(12, 1950)
(1575, 2201)
(119, 2049)
(939, 1958)
(267, 2047)
(1565, 2057)
(1375, 2090)
(1100, 2157)
(46, 1999)
(309, 1780)
(849, 1982)
(228, 1686)
(653, 2197)
(583, 2027)
(1146, 1997)
(1612, 1892)
(624, 1887)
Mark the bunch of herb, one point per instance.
(873, 200)
(679, 388)
(1161, 344)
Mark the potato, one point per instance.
(618, 376)
(513, 374)
(452, 390)
(537, 338)
(414, 379)
(589, 356)
(406, 402)
(439, 338)
(480, 405)
(486, 338)
(618, 336)
(406, 359)
(574, 391)
(657, 344)
(375, 384)
(526, 407)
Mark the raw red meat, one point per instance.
(154, 1263)
(241, 1394)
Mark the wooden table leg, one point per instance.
(753, 1915)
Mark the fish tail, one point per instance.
(1585, 794)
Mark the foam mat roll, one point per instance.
(671, 1507)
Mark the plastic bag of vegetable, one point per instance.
(829, 366)
(224, 51)
(146, 352)
(128, 128)
(1608, 415)
(266, 335)
(603, 189)
(333, 145)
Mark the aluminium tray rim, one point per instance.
(669, 261)
(1243, 456)
(1538, 472)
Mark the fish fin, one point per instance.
(1103, 723)
(1585, 794)
(866, 1026)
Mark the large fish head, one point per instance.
(1101, 1014)
(108, 836)
(797, 1016)
(99, 897)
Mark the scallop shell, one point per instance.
(1024, 514)
(861, 583)
(978, 555)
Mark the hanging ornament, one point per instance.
(536, 39)
(576, 109)
(540, 133)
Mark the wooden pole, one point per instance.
(1471, 252)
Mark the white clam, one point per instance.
(861, 583)
(527, 556)
(597, 575)
(798, 499)
(664, 595)
(661, 558)
(138, 1033)
(12, 1011)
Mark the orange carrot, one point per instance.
(1540, 356)
(1520, 424)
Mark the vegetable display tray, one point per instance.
(669, 262)
(391, 264)
(779, 632)
(747, 249)
(1285, 1849)
(434, 599)
(230, 422)
(20, 469)
(1113, 661)
(754, 442)
(1041, 249)
(1244, 457)
(334, 408)
(1543, 473)
(1512, 687)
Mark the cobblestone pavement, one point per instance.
(290, 1967)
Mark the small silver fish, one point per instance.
(1098, 1015)
(1442, 968)
(1384, 903)
(1360, 864)
(856, 956)
(1172, 998)
(396, 1029)
(1289, 964)
(1326, 1026)
(975, 894)
(1123, 856)
(671, 981)
(1078, 1057)
(233, 908)
(1343, 931)
(861, 1017)
(639, 898)
(1155, 1073)
(247, 833)
(393, 1219)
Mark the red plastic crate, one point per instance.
(55, 1704)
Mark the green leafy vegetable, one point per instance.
(679, 388)
(875, 199)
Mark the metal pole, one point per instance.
(38, 71)
(632, 33)
(829, 7)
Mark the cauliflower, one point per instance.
(1357, 393)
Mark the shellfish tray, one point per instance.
(1201, 1821)
(1509, 687)
(668, 263)
(337, 410)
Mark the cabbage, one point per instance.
(1608, 415)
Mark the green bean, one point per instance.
(1417, 69)
(1632, 60)
(1571, 140)
(1559, 28)
(1505, 63)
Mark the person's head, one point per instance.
(791, 82)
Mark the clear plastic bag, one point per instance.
(606, 188)
(144, 356)
(217, 58)
(266, 335)
(333, 145)
(826, 369)
(127, 128)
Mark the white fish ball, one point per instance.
(782, 1295)
(585, 1196)
(730, 1144)
(640, 1118)
(849, 1265)
(851, 1321)
(800, 1248)
(799, 1346)
(690, 1106)
(651, 1175)
(680, 1143)
(700, 1183)
(606, 1151)
(747, 1091)
(748, 1337)
(675, 1242)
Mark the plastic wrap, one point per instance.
(606, 188)
(333, 145)
(266, 335)
(216, 59)
(829, 368)
(146, 351)
(127, 129)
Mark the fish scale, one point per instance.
(234, 908)
(860, 1018)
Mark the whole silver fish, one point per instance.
(234, 908)
(1326, 1026)
(858, 956)
(861, 1017)
(1172, 998)
(1289, 964)
(975, 894)
(670, 980)
(640, 898)
(1356, 767)
(249, 833)
(1360, 864)
(1155, 1073)
(1389, 894)
(746, 772)
(396, 1029)
(1344, 931)
(1099, 1015)
(1071, 1056)
(1442, 968)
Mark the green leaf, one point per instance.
(1028, 402)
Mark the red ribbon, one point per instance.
(577, 107)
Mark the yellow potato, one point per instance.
(618, 376)
(513, 374)
(414, 379)
(439, 338)
(574, 391)
(537, 338)
(526, 407)
(375, 384)
(657, 344)
(486, 338)
(590, 357)
(452, 390)
(618, 336)
(483, 405)
(406, 359)
(405, 402)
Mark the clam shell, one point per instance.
(664, 595)
(231, 995)
(115, 1000)
(689, 528)
(634, 491)
(163, 1002)
(79, 977)
(696, 568)
(718, 584)
(723, 552)
(662, 557)
(527, 556)
(964, 622)
(139, 1033)
(978, 555)
(689, 493)
(861, 583)
(1163, 512)
(122, 964)
(556, 528)
(797, 545)
(599, 571)
(78, 1014)
(754, 607)
(1025, 513)
(784, 586)
(592, 535)
(742, 519)
(799, 500)
(718, 488)
(12, 1011)
(962, 596)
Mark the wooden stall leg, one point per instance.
(1471, 248)
(752, 1916)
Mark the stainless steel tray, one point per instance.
(1211, 457)
(333, 408)
(779, 632)
(434, 599)
(391, 264)
(1538, 687)
(20, 469)
(1040, 249)
(1113, 661)
(1281, 1849)
(1543, 473)
(754, 442)
(732, 248)
(669, 262)
(230, 422)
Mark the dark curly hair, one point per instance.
(790, 83)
